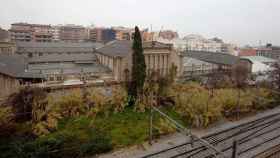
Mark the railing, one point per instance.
(187, 132)
(239, 141)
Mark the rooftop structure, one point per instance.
(33, 49)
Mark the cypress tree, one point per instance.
(138, 65)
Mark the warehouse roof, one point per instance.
(12, 65)
(88, 57)
(56, 47)
(67, 68)
(259, 59)
(212, 57)
(15, 66)
(59, 44)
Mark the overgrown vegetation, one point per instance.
(92, 121)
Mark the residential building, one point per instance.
(21, 32)
(56, 33)
(147, 36)
(247, 52)
(123, 33)
(117, 55)
(95, 34)
(199, 43)
(178, 44)
(269, 51)
(31, 32)
(73, 33)
(168, 34)
(108, 34)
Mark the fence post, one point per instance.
(235, 149)
(151, 126)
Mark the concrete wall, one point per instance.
(8, 85)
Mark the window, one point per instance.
(40, 54)
(51, 78)
(59, 78)
(30, 55)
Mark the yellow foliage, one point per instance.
(70, 105)
(196, 105)
(104, 103)
(5, 115)
(119, 99)
(193, 102)
(164, 127)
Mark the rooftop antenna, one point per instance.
(260, 43)
(152, 31)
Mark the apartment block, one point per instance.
(269, 51)
(95, 34)
(123, 33)
(168, 34)
(199, 43)
(72, 33)
(31, 32)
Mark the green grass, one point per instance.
(129, 127)
(84, 134)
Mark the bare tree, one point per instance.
(239, 76)
(275, 76)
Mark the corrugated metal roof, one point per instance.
(82, 57)
(12, 65)
(67, 68)
(56, 47)
(58, 44)
(16, 66)
(211, 57)
(259, 59)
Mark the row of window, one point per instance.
(30, 55)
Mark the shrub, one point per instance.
(23, 103)
(195, 105)
(119, 99)
(6, 121)
(103, 101)
(69, 105)
(76, 138)
(264, 99)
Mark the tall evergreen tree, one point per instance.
(138, 65)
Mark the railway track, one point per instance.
(253, 138)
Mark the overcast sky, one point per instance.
(238, 21)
